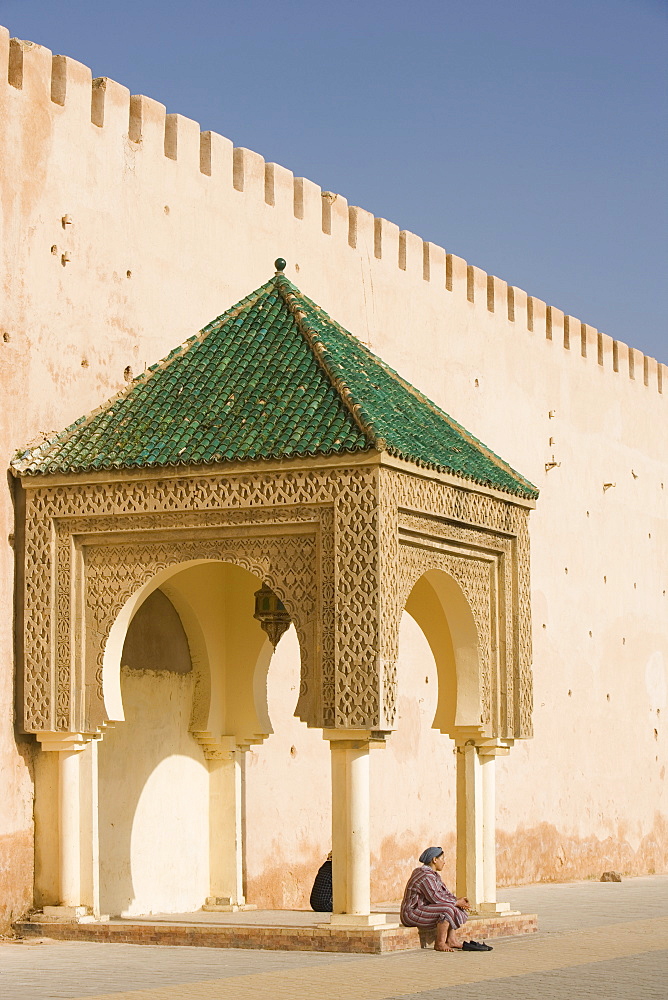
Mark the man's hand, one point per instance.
(463, 903)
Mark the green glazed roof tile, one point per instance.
(273, 377)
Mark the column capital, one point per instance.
(494, 748)
(66, 742)
(224, 747)
(356, 739)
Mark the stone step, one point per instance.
(370, 941)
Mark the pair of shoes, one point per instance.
(476, 946)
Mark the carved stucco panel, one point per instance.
(247, 501)
(468, 523)
(523, 695)
(357, 594)
(458, 504)
(51, 514)
(39, 675)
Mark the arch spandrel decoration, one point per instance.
(347, 539)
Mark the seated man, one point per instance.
(427, 902)
(321, 893)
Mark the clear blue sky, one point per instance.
(528, 137)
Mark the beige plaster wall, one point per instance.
(123, 231)
(413, 801)
(154, 798)
(288, 800)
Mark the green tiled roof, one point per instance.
(273, 377)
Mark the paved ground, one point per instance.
(597, 940)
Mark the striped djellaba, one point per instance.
(427, 901)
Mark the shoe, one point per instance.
(476, 946)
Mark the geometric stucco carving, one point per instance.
(341, 546)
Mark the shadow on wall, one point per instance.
(153, 777)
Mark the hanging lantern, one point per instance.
(271, 614)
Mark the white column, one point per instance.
(69, 821)
(75, 843)
(225, 832)
(225, 757)
(488, 764)
(469, 825)
(488, 757)
(351, 862)
(89, 828)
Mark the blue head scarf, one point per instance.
(428, 856)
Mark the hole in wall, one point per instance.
(6, 338)
(84, 362)
(128, 274)
(166, 209)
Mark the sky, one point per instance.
(528, 137)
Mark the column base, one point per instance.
(357, 921)
(502, 909)
(63, 915)
(225, 904)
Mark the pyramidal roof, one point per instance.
(273, 377)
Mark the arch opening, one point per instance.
(187, 664)
(189, 669)
(439, 606)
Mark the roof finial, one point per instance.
(280, 265)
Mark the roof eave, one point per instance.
(452, 479)
(234, 467)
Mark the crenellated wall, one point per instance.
(124, 229)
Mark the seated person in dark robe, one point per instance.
(321, 893)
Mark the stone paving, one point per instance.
(597, 940)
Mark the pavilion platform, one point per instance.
(278, 930)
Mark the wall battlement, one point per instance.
(103, 108)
